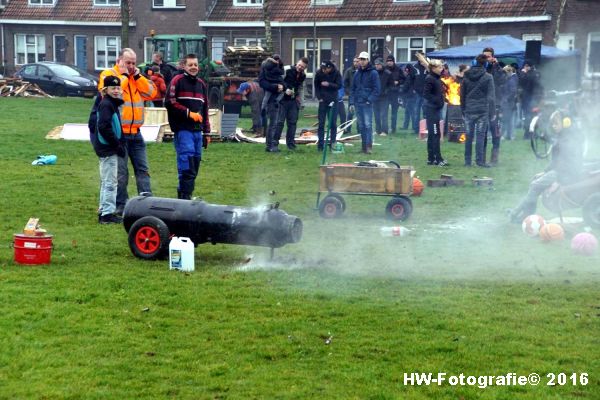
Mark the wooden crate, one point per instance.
(350, 178)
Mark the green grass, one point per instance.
(341, 315)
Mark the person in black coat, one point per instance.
(382, 104)
(421, 73)
(494, 68)
(477, 102)
(328, 81)
(410, 98)
(433, 102)
(397, 89)
(107, 140)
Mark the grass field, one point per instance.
(343, 314)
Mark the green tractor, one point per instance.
(222, 80)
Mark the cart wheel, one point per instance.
(340, 198)
(591, 211)
(149, 238)
(331, 207)
(399, 208)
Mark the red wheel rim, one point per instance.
(330, 209)
(147, 240)
(397, 210)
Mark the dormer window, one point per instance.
(247, 2)
(168, 3)
(327, 2)
(107, 2)
(42, 2)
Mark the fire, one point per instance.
(452, 94)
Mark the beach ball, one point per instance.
(417, 187)
(532, 224)
(584, 243)
(552, 232)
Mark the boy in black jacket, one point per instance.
(328, 81)
(107, 140)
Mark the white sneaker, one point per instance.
(383, 134)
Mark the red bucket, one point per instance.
(32, 250)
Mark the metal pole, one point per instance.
(314, 63)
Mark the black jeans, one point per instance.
(288, 113)
(434, 154)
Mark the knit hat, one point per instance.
(111, 80)
(390, 58)
(378, 61)
(243, 87)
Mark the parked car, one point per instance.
(59, 79)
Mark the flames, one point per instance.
(452, 94)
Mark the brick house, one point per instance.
(339, 29)
(87, 32)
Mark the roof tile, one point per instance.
(64, 10)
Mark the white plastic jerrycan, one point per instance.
(181, 254)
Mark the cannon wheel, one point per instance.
(331, 207)
(149, 238)
(591, 211)
(399, 208)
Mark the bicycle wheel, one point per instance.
(541, 141)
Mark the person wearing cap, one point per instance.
(107, 140)
(255, 95)
(365, 91)
(187, 108)
(433, 102)
(382, 103)
(270, 79)
(397, 90)
(328, 81)
(136, 90)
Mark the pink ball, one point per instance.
(584, 243)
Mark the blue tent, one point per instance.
(504, 47)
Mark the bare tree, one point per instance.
(124, 23)
(438, 26)
(267, 19)
(559, 14)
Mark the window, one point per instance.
(531, 36)
(106, 49)
(249, 41)
(566, 41)
(168, 3)
(29, 48)
(326, 2)
(247, 2)
(306, 48)
(592, 66)
(406, 48)
(470, 39)
(107, 2)
(411, 1)
(218, 48)
(41, 2)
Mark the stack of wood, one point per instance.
(20, 88)
(245, 61)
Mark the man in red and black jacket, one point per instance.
(187, 107)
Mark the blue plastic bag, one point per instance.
(44, 159)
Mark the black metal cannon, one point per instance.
(152, 221)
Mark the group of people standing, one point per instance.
(118, 114)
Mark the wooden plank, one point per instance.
(355, 179)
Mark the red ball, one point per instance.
(417, 187)
(584, 243)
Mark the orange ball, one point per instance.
(552, 232)
(417, 187)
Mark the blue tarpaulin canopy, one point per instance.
(504, 47)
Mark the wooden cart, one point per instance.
(381, 178)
